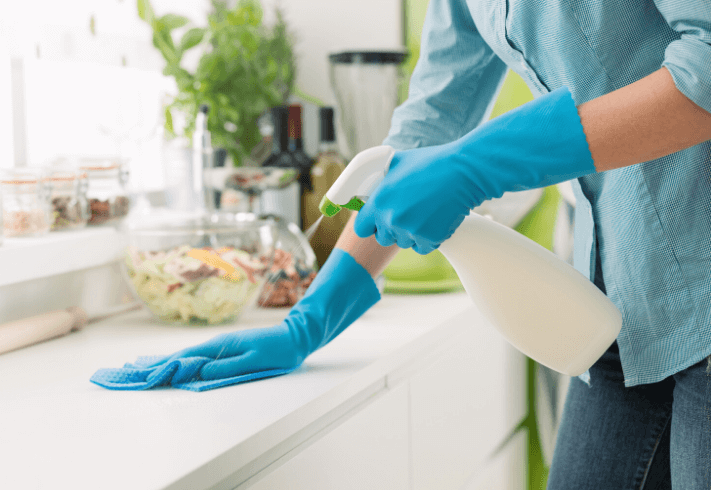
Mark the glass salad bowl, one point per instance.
(293, 268)
(201, 269)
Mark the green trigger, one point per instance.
(355, 204)
(329, 208)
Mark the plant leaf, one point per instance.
(173, 21)
(145, 11)
(191, 38)
(182, 77)
(169, 121)
(163, 41)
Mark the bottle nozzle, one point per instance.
(328, 208)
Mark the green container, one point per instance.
(410, 272)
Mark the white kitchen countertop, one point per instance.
(58, 430)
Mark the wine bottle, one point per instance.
(296, 148)
(285, 203)
(329, 165)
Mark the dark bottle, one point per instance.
(283, 202)
(296, 148)
(280, 139)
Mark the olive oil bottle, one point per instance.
(328, 167)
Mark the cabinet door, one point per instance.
(463, 406)
(506, 471)
(369, 450)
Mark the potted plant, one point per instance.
(245, 68)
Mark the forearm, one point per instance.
(366, 251)
(645, 120)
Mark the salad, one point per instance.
(180, 288)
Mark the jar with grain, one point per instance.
(69, 206)
(106, 191)
(25, 197)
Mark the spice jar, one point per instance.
(25, 202)
(106, 191)
(69, 206)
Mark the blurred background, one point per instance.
(83, 76)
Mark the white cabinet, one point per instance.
(437, 428)
(463, 406)
(369, 450)
(505, 471)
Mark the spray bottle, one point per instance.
(539, 303)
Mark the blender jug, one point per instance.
(366, 85)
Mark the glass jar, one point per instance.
(25, 196)
(69, 206)
(106, 191)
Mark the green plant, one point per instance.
(246, 68)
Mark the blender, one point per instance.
(367, 86)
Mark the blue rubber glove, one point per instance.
(427, 192)
(341, 292)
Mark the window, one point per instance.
(82, 78)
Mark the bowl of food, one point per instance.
(293, 266)
(202, 269)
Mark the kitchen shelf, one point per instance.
(24, 259)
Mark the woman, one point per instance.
(623, 107)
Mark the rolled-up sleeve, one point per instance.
(455, 79)
(688, 59)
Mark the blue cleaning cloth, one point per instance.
(179, 373)
(341, 292)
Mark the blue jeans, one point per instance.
(650, 437)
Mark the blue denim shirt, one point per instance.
(649, 224)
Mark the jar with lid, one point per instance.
(25, 196)
(69, 206)
(106, 191)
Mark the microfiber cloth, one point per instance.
(180, 373)
(341, 292)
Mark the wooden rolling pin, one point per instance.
(28, 331)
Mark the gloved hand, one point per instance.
(427, 192)
(341, 292)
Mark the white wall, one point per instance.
(329, 26)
